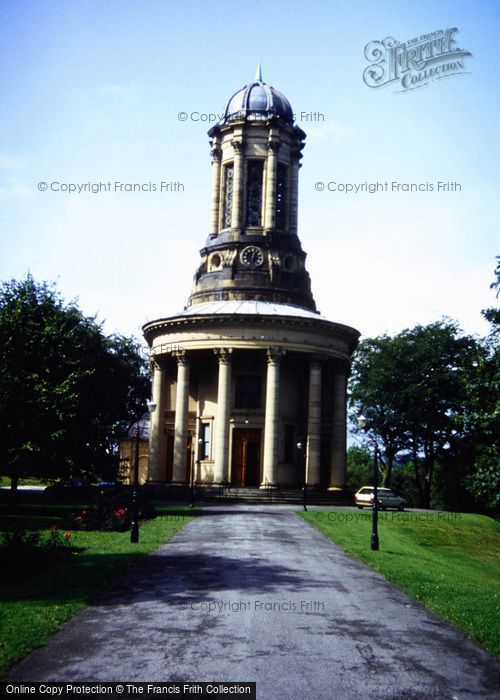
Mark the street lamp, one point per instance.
(134, 525)
(362, 423)
(198, 461)
(300, 448)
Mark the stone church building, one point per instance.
(249, 380)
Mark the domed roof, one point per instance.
(250, 307)
(257, 101)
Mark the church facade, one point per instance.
(249, 380)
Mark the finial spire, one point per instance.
(258, 73)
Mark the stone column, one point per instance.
(294, 195)
(216, 171)
(180, 470)
(156, 463)
(314, 424)
(271, 424)
(339, 431)
(270, 206)
(237, 184)
(221, 447)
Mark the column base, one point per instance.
(178, 483)
(336, 488)
(267, 485)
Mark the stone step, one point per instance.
(245, 494)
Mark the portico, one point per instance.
(277, 380)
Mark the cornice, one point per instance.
(153, 328)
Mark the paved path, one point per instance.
(253, 594)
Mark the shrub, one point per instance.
(109, 513)
(104, 517)
(21, 551)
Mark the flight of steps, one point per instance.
(245, 494)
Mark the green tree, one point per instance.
(483, 413)
(493, 313)
(413, 388)
(65, 387)
(373, 387)
(359, 467)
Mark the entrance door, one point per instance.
(245, 463)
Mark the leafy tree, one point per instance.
(372, 384)
(403, 481)
(359, 468)
(483, 414)
(412, 388)
(493, 313)
(65, 387)
(435, 394)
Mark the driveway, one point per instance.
(252, 593)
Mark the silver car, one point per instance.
(385, 497)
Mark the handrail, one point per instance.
(224, 487)
(269, 489)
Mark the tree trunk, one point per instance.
(389, 455)
(429, 472)
(417, 474)
(13, 493)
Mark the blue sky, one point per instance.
(91, 91)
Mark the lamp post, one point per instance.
(300, 448)
(134, 525)
(199, 443)
(374, 543)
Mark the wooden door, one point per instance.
(245, 463)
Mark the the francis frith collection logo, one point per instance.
(414, 63)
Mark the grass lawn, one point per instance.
(28, 481)
(448, 561)
(33, 608)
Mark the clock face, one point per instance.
(251, 256)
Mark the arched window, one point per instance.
(255, 171)
(281, 196)
(228, 196)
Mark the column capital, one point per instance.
(216, 154)
(274, 355)
(273, 145)
(237, 145)
(223, 355)
(181, 357)
(154, 363)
